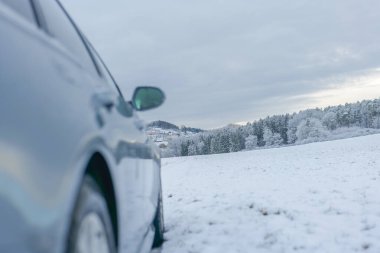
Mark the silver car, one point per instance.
(77, 172)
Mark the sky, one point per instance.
(222, 62)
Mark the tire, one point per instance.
(91, 229)
(159, 224)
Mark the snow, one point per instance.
(319, 197)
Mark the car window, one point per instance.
(123, 107)
(61, 27)
(105, 74)
(22, 7)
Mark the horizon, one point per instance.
(243, 123)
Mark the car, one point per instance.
(77, 171)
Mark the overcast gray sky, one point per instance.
(223, 62)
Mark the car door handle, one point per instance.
(102, 103)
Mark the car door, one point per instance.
(138, 171)
(118, 129)
(121, 131)
(45, 108)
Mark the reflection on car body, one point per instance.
(77, 171)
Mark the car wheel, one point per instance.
(91, 229)
(159, 224)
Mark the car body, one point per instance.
(63, 118)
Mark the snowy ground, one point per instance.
(320, 197)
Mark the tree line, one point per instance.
(306, 126)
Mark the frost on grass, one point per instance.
(320, 197)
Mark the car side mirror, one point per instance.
(145, 98)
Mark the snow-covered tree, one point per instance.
(236, 140)
(201, 147)
(173, 148)
(310, 130)
(329, 120)
(192, 150)
(277, 140)
(376, 122)
(272, 139)
(214, 145)
(305, 126)
(251, 142)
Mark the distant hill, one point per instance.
(167, 125)
(162, 132)
(191, 129)
(163, 125)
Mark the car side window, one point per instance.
(105, 74)
(22, 7)
(60, 26)
(122, 107)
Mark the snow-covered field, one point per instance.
(319, 197)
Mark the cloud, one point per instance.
(228, 61)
